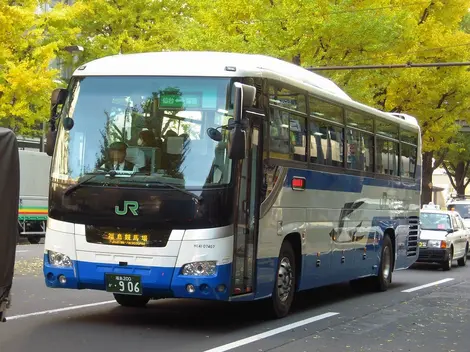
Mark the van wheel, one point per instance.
(285, 283)
(131, 301)
(384, 277)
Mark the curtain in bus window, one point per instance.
(387, 158)
(298, 138)
(408, 160)
(326, 143)
(279, 132)
(360, 150)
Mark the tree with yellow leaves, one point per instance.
(26, 79)
(309, 33)
(360, 32)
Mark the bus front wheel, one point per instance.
(384, 277)
(131, 301)
(285, 281)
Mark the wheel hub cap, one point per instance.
(284, 279)
(386, 268)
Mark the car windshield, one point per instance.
(153, 128)
(462, 209)
(435, 221)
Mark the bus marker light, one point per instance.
(298, 183)
(62, 279)
(220, 288)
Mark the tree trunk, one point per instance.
(459, 178)
(426, 191)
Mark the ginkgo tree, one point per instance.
(309, 33)
(457, 162)
(26, 78)
(110, 27)
(354, 32)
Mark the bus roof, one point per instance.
(223, 64)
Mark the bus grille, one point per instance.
(412, 245)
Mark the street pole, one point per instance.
(407, 65)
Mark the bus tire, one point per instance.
(384, 277)
(285, 282)
(131, 301)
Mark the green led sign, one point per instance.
(176, 101)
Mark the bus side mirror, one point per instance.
(58, 97)
(50, 142)
(244, 97)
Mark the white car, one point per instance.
(461, 206)
(443, 238)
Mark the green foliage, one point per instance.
(26, 79)
(457, 162)
(109, 27)
(311, 33)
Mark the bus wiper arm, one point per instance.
(197, 198)
(79, 184)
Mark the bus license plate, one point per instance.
(124, 284)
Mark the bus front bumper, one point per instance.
(157, 282)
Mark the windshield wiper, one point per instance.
(79, 184)
(197, 198)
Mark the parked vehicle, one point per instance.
(34, 190)
(9, 194)
(444, 238)
(462, 206)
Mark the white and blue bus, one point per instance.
(224, 176)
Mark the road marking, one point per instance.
(428, 285)
(59, 310)
(269, 333)
(22, 250)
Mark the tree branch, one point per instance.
(440, 160)
(443, 98)
(448, 175)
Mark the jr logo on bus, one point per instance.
(129, 205)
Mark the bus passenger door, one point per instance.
(247, 209)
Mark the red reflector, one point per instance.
(298, 183)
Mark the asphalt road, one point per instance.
(331, 319)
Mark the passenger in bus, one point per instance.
(147, 140)
(117, 152)
(172, 157)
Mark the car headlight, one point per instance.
(59, 259)
(207, 268)
(437, 244)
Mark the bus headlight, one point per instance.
(59, 259)
(199, 268)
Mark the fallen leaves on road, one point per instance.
(30, 267)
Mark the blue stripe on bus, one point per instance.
(318, 180)
(158, 282)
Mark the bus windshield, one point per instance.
(149, 127)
